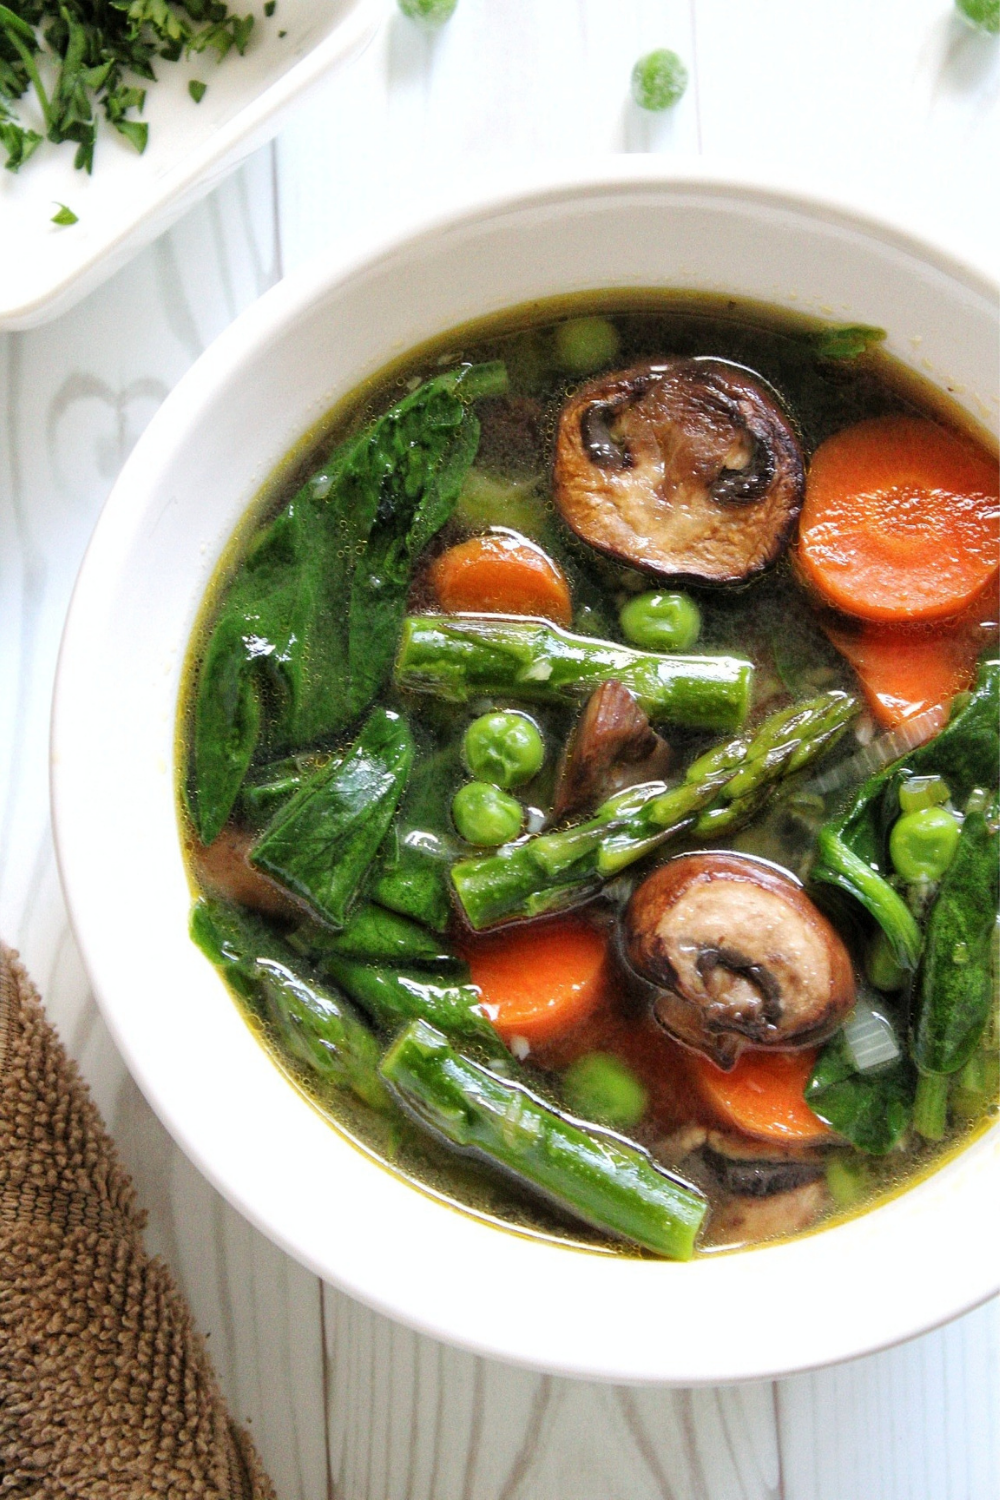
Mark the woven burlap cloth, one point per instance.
(106, 1391)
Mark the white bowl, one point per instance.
(891, 1273)
(130, 199)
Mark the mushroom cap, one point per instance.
(612, 746)
(740, 955)
(688, 469)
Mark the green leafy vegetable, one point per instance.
(306, 633)
(848, 340)
(411, 873)
(871, 1110)
(197, 89)
(94, 45)
(319, 1028)
(64, 215)
(852, 849)
(378, 936)
(321, 843)
(394, 997)
(956, 982)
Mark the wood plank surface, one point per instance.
(892, 96)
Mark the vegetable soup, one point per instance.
(590, 791)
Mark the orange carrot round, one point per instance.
(539, 982)
(901, 521)
(762, 1095)
(501, 573)
(905, 674)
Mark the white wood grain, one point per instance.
(74, 396)
(411, 1419)
(915, 1423)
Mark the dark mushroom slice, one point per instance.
(739, 954)
(225, 870)
(755, 1169)
(612, 746)
(688, 469)
(742, 1220)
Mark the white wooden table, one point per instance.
(892, 99)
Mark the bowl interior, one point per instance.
(850, 1289)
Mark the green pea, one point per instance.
(923, 791)
(485, 815)
(504, 748)
(661, 622)
(586, 344)
(881, 967)
(434, 11)
(983, 14)
(600, 1087)
(922, 844)
(658, 79)
(848, 1179)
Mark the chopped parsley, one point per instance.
(197, 90)
(64, 215)
(91, 51)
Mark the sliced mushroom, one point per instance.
(686, 469)
(753, 1170)
(611, 747)
(746, 1221)
(740, 955)
(225, 870)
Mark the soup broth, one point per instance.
(586, 814)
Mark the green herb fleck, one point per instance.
(90, 53)
(270, 7)
(658, 80)
(197, 90)
(64, 215)
(848, 341)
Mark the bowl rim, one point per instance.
(207, 377)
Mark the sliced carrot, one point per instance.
(501, 573)
(901, 521)
(905, 675)
(538, 982)
(906, 672)
(762, 1095)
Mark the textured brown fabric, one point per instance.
(106, 1391)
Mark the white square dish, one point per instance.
(129, 199)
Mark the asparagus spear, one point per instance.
(318, 1027)
(719, 791)
(469, 656)
(593, 1175)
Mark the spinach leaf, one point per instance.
(322, 841)
(956, 982)
(411, 875)
(871, 1110)
(319, 1028)
(395, 997)
(378, 936)
(853, 850)
(306, 633)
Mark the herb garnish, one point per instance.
(64, 215)
(87, 49)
